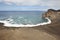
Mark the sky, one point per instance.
(29, 5)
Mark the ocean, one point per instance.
(22, 18)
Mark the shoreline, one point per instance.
(42, 32)
(21, 25)
(50, 32)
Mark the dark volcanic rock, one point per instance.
(52, 14)
(1, 24)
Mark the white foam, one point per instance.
(7, 24)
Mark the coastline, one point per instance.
(43, 32)
(6, 24)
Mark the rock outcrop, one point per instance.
(53, 15)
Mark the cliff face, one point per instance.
(53, 15)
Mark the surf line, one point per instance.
(7, 24)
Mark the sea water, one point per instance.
(23, 18)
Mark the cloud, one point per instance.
(48, 3)
(33, 2)
(0, 0)
(22, 2)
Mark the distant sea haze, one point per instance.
(22, 18)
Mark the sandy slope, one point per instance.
(47, 32)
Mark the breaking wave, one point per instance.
(8, 24)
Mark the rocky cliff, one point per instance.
(52, 14)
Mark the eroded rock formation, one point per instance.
(52, 14)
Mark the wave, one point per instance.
(7, 24)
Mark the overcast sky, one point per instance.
(18, 5)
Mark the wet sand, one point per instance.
(46, 32)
